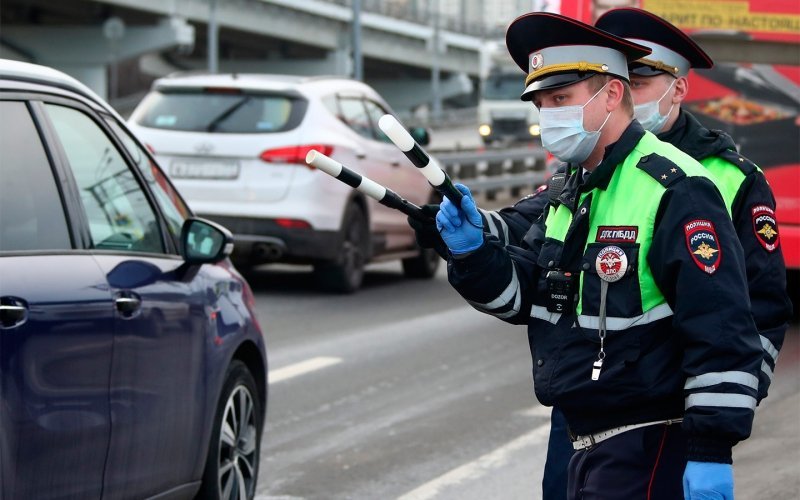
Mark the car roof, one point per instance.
(261, 81)
(35, 73)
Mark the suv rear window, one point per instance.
(221, 111)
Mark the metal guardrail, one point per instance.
(491, 172)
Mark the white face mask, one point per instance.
(649, 113)
(563, 133)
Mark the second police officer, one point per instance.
(635, 318)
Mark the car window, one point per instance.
(119, 215)
(172, 206)
(214, 110)
(31, 212)
(376, 111)
(354, 115)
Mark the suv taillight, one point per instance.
(294, 154)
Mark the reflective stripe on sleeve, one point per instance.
(714, 378)
(769, 348)
(511, 291)
(717, 399)
(490, 218)
(767, 370)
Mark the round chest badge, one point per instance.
(611, 263)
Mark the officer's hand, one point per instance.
(426, 233)
(708, 481)
(461, 228)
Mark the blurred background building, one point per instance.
(427, 57)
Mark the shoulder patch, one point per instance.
(765, 226)
(703, 245)
(661, 169)
(746, 166)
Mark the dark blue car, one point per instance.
(131, 362)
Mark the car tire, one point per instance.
(233, 452)
(345, 274)
(423, 266)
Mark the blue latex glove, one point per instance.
(461, 228)
(708, 481)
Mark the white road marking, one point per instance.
(302, 368)
(479, 467)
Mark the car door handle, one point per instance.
(396, 163)
(128, 304)
(13, 312)
(361, 156)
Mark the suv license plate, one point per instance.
(183, 169)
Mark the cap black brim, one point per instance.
(645, 70)
(554, 82)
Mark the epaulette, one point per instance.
(746, 166)
(661, 169)
(554, 187)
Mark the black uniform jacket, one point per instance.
(770, 304)
(652, 371)
(766, 273)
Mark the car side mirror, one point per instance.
(205, 242)
(421, 135)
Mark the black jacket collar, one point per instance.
(688, 135)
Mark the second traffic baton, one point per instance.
(438, 178)
(382, 195)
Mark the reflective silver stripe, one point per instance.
(615, 323)
(769, 348)
(766, 369)
(714, 378)
(540, 312)
(514, 310)
(493, 230)
(490, 223)
(505, 297)
(717, 399)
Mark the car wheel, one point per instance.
(423, 266)
(345, 274)
(231, 468)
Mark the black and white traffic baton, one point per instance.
(382, 195)
(438, 178)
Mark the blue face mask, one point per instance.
(563, 134)
(649, 113)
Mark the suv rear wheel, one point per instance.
(345, 274)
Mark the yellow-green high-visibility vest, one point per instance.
(631, 199)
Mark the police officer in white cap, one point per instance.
(633, 313)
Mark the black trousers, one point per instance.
(641, 464)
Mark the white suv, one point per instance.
(235, 146)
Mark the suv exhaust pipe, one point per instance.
(267, 251)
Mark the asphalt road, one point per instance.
(403, 391)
